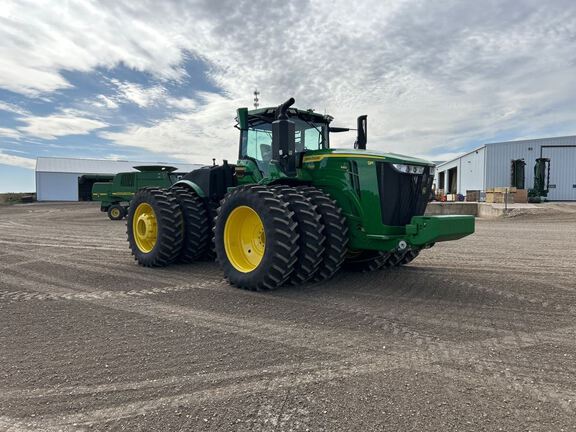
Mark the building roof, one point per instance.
(533, 140)
(98, 166)
(438, 165)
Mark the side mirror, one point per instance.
(360, 143)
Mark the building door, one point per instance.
(562, 172)
(441, 181)
(453, 180)
(85, 183)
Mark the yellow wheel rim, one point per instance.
(145, 227)
(244, 239)
(115, 212)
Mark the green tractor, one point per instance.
(115, 196)
(292, 210)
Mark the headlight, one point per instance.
(409, 169)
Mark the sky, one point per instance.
(161, 81)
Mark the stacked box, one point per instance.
(497, 197)
(521, 196)
(473, 195)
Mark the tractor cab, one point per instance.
(257, 142)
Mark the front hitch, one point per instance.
(424, 230)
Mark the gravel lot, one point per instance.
(477, 334)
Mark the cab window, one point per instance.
(256, 142)
(257, 145)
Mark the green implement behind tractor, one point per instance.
(292, 209)
(116, 195)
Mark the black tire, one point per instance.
(397, 259)
(281, 244)
(335, 231)
(311, 234)
(366, 261)
(169, 221)
(212, 207)
(197, 224)
(116, 212)
(408, 257)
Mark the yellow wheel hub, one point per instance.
(115, 212)
(244, 239)
(145, 227)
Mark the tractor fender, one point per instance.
(192, 185)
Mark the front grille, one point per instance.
(402, 195)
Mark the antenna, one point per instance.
(256, 100)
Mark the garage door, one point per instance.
(562, 172)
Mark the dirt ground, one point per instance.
(478, 334)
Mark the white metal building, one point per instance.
(62, 179)
(490, 166)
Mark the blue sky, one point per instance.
(160, 81)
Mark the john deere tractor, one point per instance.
(292, 209)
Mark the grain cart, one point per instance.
(292, 209)
(115, 196)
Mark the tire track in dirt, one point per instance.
(318, 339)
(495, 359)
(76, 263)
(57, 245)
(8, 424)
(343, 369)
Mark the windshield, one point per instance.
(256, 142)
(174, 177)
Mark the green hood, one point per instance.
(352, 153)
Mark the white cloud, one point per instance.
(432, 76)
(186, 135)
(138, 94)
(9, 133)
(65, 123)
(38, 40)
(185, 104)
(5, 106)
(102, 101)
(6, 159)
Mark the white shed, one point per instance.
(490, 166)
(66, 179)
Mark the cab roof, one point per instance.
(149, 168)
(308, 114)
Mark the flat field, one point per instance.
(477, 334)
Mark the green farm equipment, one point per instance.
(115, 196)
(541, 181)
(292, 209)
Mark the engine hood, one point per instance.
(317, 155)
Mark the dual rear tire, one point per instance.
(286, 237)
(168, 225)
